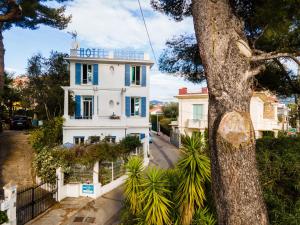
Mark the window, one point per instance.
(197, 111)
(110, 139)
(87, 73)
(136, 75)
(135, 106)
(87, 107)
(94, 139)
(78, 140)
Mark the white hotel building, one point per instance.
(111, 94)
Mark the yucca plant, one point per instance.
(194, 167)
(133, 183)
(156, 205)
(203, 217)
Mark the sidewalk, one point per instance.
(61, 212)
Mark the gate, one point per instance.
(175, 138)
(32, 201)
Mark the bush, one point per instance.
(47, 159)
(3, 217)
(165, 127)
(278, 163)
(49, 135)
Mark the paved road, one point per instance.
(105, 210)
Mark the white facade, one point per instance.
(102, 86)
(263, 111)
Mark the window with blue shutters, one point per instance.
(95, 74)
(77, 106)
(144, 107)
(142, 136)
(144, 76)
(78, 73)
(127, 106)
(127, 75)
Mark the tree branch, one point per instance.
(14, 12)
(276, 55)
(257, 70)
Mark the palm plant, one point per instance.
(133, 183)
(194, 167)
(156, 208)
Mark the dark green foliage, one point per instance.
(165, 127)
(36, 12)
(3, 217)
(46, 76)
(181, 57)
(279, 166)
(269, 134)
(129, 144)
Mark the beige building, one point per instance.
(193, 112)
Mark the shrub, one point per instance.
(278, 163)
(49, 135)
(165, 128)
(3, 217)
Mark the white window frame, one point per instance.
(80, 140)
(82, 106)
(132, 83)
(140, 106)
(92, 73)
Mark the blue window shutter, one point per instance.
(144, 105)
(77, 106)
(127, 75)
(95, 75)
(78, 73)
(127, 106)
(144, 76)
(142, 136)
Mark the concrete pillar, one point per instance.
(96, 173)
(60, 184)
(10, 203)
(66, 104)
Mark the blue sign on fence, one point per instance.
(88, 189)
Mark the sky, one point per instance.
(104, 24)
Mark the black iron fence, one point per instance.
(34, 200)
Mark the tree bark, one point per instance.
(226, 58)
(2, 52)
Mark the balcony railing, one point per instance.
(108, 54)
(196, 123)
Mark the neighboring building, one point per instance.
(283, 116)
(156, 110)
(111, 94)
(193, 112)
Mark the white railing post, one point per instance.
(10, 203)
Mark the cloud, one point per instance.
(118, 24)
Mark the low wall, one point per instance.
(92, 190)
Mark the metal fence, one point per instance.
(32, 201)
(175, 138)
(79, 174)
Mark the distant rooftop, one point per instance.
(118, 54)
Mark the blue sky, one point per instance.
(107, 24)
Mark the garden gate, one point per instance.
(34, 200)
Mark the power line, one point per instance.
(147, 31)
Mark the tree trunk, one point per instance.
(223, 48)
(2, 51)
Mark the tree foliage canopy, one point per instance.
(31, 13)
(269, 26)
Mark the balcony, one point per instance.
(108, 54)
(196, 124)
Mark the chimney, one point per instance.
(204, 90)
(183, 91)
